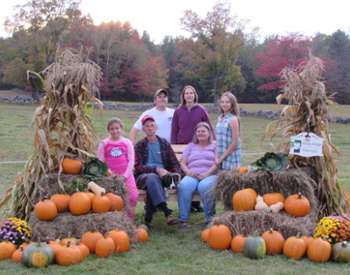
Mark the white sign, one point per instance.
(306, 145)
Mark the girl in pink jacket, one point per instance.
(119, 155)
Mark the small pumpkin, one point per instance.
(61, 201)
(319, 250)
(117, 201)
(274, 242)
(219, 237)
(142, 234)
(120, 239)
(294, 248)
(54, 246)
(205, 235)
(254, 247)
(6, 250)
(243, 169)
(71, 166)
(237, 243)
(17, 255)
(341, 252)
(297, 205)
(104, 247)
(244, 200)
(90, 239)
(272, 198)
(79, 203)
(38, 255)
(45, 210)
(84, 250)
(68, 255)
(101, 204)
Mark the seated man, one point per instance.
(155, 161)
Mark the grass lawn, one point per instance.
(170, 251)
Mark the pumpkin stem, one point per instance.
(300, 195)
(271, 230)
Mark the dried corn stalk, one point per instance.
(61, 125)
(307, 111)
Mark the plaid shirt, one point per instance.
(168, 156)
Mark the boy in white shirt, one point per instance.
(162, 115)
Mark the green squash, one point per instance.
(341, 252)
(254, 247)
(38, 255)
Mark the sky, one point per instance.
(162, 17)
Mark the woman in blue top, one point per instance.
(227, 133)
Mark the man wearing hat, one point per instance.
(155, 164)
(160, 112)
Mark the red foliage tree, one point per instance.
(280, 52)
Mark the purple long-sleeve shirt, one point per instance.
(185, 121)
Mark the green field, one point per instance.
(170, 251)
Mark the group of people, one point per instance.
(153, 163)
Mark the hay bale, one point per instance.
(67, 225)
(48, 185)
(286, 182)
(257, 222)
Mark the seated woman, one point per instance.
(199, 165)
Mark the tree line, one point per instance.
(218, 54)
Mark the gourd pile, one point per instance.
(70, 251)
(272, 242)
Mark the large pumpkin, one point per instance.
(45, 210)
(101, 204)
(219, 237)
(319, 250)
(274, 242)
(237, 244)
(254, 247)
(71, 166)
(104, 247)
(90, 239)
(38, 255)
(244, 200)
(294, 248)
(341, 252)
(120, 239)
(117, 201)
(79, 203)
(272, 198)
(297, 205)
(6, 250)
(61, 201)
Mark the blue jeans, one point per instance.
(185, 190)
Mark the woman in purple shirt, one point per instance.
(199, 164)
(187, 116)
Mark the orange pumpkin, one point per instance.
(54, 246)
(219, 237)
(68, 255)
(6, 250)
(121, 240)
(272, 198)
(237, 243)
(79, 203)
(17, 255)
(243, 170)
(244, 200)
(274, 242)
(117, 201)
(45, 210)
(297, 205)
(142, 235)
(307, 240)
(90, 239)
(319, 250)
(71, 166)
(61, 201)
(101, 204)
(84, 250)
(294, 248)
(104, 247)
(205, 235)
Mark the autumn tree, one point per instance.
(212, 49)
